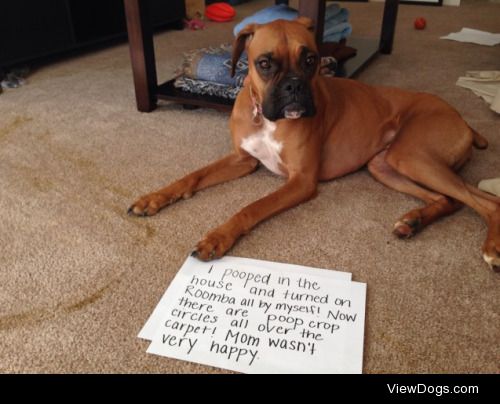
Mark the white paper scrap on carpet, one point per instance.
(252, 319)
(474, 36)
(485, 84)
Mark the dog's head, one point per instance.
(283, 61)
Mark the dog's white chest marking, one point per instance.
(264, 147)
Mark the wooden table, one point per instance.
(148, 91)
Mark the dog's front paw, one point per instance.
(149, 205)
(213, 246)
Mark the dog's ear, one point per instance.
(239, 45)
(306, 22)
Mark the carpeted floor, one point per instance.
(79, 277)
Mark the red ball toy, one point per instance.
(220, 12)
(420, 23)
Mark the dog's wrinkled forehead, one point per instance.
(282, 39)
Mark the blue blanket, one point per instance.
(214, 64)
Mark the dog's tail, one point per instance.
(478, 141)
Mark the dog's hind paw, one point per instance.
(492, 261)
(491, 252)
(406, 228)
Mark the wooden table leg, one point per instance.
(140, 36)
(315, 10)
(388, 26)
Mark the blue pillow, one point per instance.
(336, 25)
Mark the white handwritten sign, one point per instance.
(259, 317)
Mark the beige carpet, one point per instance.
(79, 278)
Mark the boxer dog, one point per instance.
(309, 128)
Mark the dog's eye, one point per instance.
(265, 64)
(310, 60)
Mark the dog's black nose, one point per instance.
(292, 85)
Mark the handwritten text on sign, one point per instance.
(255, 320)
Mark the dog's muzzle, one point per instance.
(291, 98)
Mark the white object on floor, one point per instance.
(255, 316)
(154, 321)
(491, 185)
(485, 84)
(474, 36)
